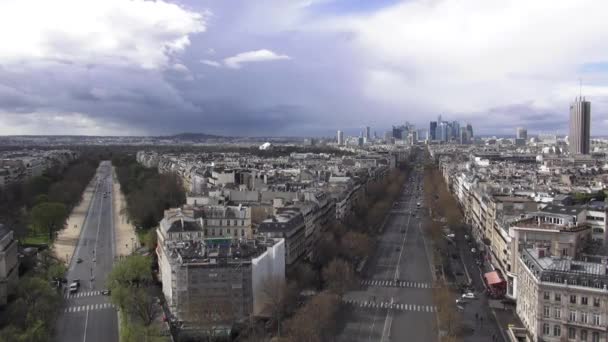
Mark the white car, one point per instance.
(468, 295)
(473, 250)
(451, 236)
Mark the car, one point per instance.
(74, 286)
(466, 236)
(473, 250)
(451, 235)
(106, 292)
(461, 301)
(398, 249)
(79, 260)
(468, 295)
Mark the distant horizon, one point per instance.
(211, 136)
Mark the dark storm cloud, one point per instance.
(315, 66)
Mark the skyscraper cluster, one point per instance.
(445, 131)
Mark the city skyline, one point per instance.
(166, 67)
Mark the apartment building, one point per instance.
(207, 221)
(562, 299)
(9, 264)
(561, 235)
(287, 224)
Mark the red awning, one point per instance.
(493, 278)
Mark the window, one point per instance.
(557, 330)
(584, 317)
(557, 313)
(558, 297)
(584, 301)
(596, 319)
(571, 333)
(572, 299)
(213, 232)
(546, 295)
(596, 302)
(242, 232)
(572, 316)
(228, 230)
(583, 335)
(595, 336)
(546, 311)
(546, 329)
(227, 222)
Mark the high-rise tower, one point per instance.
(580, 126)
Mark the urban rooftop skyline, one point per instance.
(297, 68)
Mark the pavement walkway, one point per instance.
(125, 231)
(67, 238)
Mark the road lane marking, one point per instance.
(89, 307)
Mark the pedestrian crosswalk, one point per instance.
(396, 283)
(392, 306)
(82, 294)
(90, 307)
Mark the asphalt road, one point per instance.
(394, 302)
(87, 314)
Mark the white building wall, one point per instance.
(270, 266)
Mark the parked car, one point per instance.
(468, 295)
(106, 292)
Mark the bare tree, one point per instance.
(144, 306)
(339, 276)
(274, 294)
(355, 245)
(449, 318)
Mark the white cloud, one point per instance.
(138, 32)
(236, 61)
(471, 55)
(211, 63)
(180, 68)
(55, 123)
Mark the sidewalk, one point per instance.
(125, 232)
(483, 321)
(67, 238)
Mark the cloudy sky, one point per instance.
(298, 67)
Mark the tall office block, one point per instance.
(521, 133)
(455, 132)
(470, 135)
(368, 134)
(580, 126)
(340, 138)
(433, 130)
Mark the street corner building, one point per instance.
(212, 282)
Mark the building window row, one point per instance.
(573, 299)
